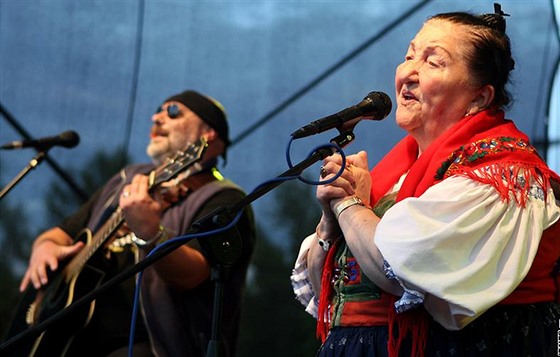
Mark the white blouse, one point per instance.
(458, 249)
(463, 246)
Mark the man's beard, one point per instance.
(159, 151)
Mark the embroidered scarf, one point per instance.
(481, 140)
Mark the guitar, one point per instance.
(79, 278)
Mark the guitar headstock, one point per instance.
(180, 162)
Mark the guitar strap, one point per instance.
(109, 195)
(111, 203)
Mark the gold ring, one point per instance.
(323, 172)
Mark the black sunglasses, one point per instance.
(173, 111)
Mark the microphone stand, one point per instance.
(217, 219)
(223, 216)
(30, 166)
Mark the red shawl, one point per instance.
(481, 140)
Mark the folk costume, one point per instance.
(470, 229)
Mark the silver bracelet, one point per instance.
(161, 236)
(347, 203)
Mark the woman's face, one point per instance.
(433, 85)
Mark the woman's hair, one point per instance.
(490, 55)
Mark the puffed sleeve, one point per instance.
(462, 246)
(301, 283)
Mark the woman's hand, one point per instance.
(358, 166)
(354, 181)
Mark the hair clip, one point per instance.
(498, 10)
(496, 20)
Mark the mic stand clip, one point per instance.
(33, 163)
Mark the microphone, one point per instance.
(375, 106)
(67, 139)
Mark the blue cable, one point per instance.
(317, 148)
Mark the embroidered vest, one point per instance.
(357, 301)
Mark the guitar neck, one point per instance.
(184, 162)
(75, 266)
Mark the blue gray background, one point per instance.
(102, 67)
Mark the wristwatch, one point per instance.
(347, 203)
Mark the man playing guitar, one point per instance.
(125, 220)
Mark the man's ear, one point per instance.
(216, 145)
(209, 134)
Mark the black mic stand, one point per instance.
(217, 219)
(223, 250)
(30, 166)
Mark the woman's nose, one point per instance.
(407, 69)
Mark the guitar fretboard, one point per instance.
(107, 229)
